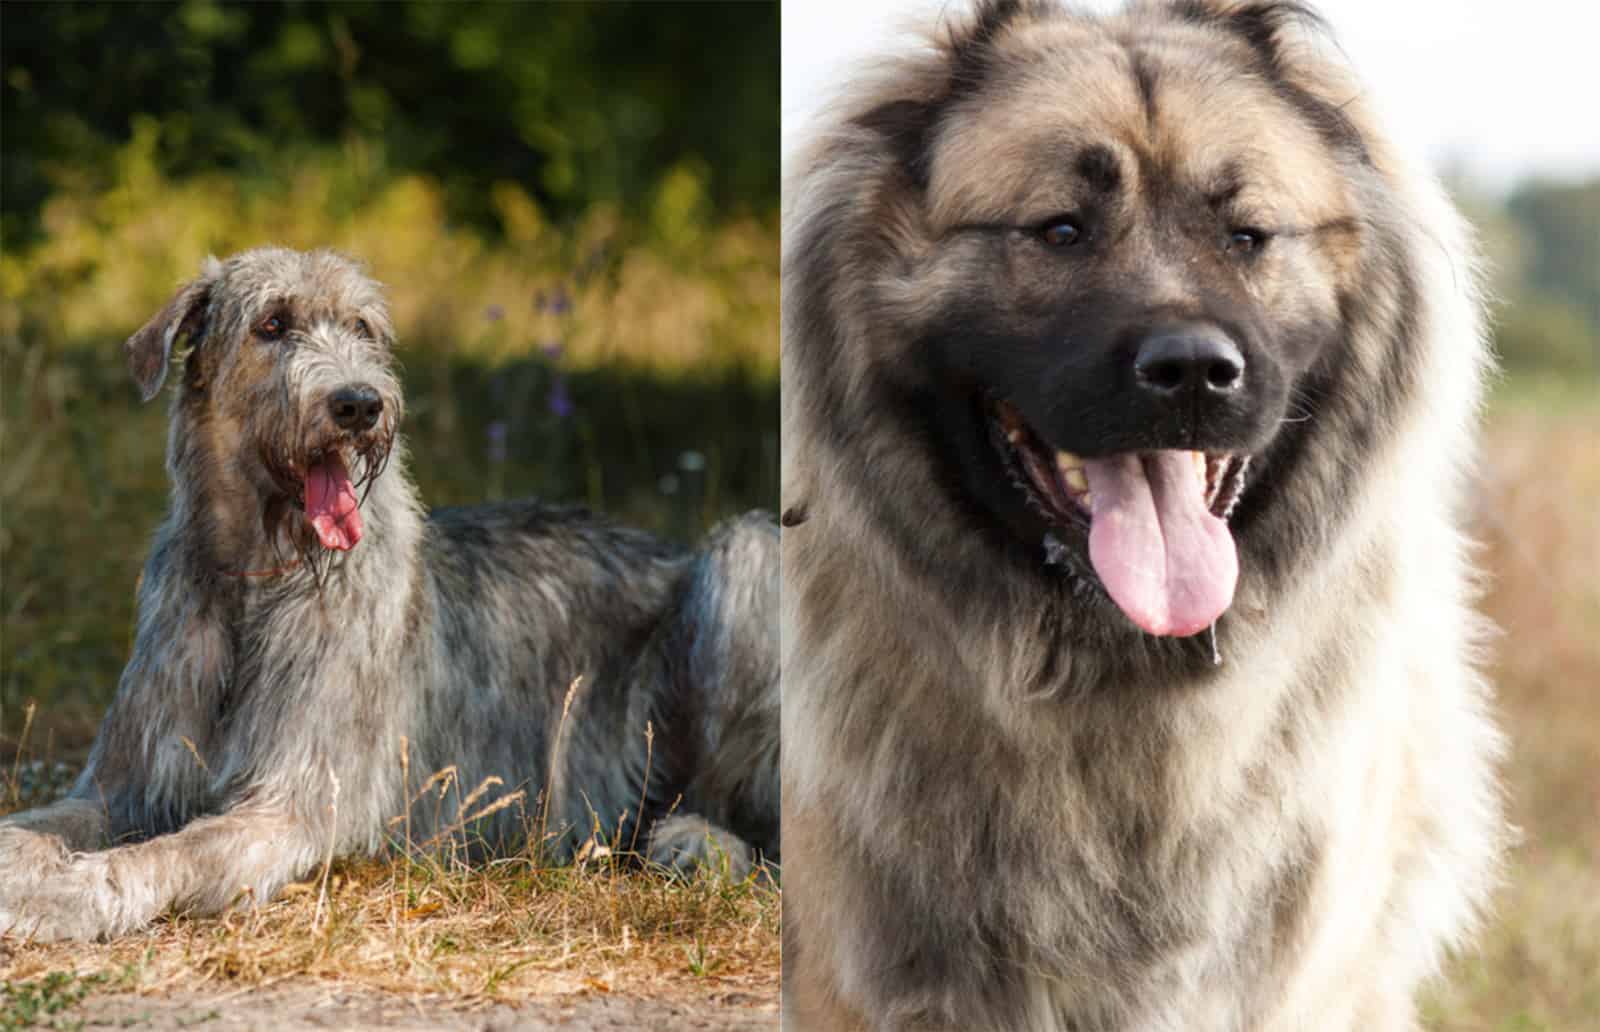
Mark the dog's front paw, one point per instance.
(41, 897)
(27, 858)
(686, 843)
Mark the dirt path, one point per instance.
(304, 1006)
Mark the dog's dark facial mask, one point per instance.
(1113, 321)
(1109, 475)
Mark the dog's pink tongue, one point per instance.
(331, 504)
(1163, 557)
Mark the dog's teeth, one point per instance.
(1067, 461)
(1014, 436)
(1075, 478)
(1200, 464)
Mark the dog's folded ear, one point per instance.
(150, 349)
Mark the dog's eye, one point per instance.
(1246, 240)
(363, 329)
(1060, 232)
(272, 327)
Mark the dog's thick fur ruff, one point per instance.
(286, 702)
(1008, 808)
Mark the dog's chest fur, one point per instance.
(1138, 859)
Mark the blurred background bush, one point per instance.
(574, 207)
(1536, 967)
(1542, 239)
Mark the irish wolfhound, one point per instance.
(1129, 375)
(307, 639)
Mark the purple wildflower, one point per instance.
(561, 405)
(497, 441)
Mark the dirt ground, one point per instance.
(297, 1006)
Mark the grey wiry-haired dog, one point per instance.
(308, 642)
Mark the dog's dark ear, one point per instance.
(970, 43)
(1265, 25)
(904, 126)
(150, 349)
(1276, 30)
(966, 48)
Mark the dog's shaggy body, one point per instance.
(279, 699)
(1007, 807)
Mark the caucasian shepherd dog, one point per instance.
(1129, 377)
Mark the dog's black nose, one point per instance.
(355, 407)
(1178, 361)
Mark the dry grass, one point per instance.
(427, 923)
(510, 931)
(1538, 964)
(506, 931)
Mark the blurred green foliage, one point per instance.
(573, 208)
(577, 103)
(1543, 246)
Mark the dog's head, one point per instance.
(1104, 269)
(287, 386)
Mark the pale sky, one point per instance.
(1502, 88)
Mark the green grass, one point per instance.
(1550, 393)
(46, 1001)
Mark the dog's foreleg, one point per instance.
(145, 772)
(49, 893)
